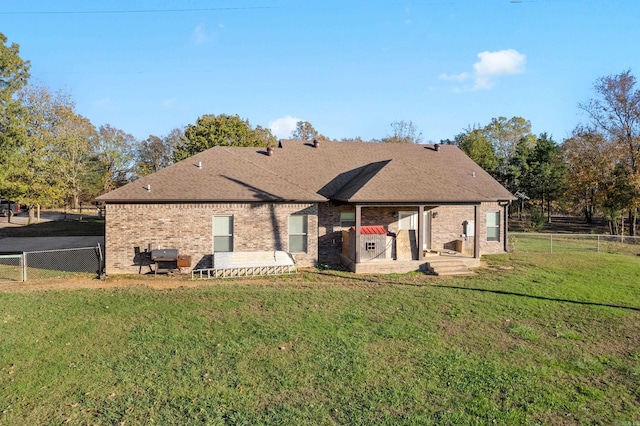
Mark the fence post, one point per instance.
(24, 266)
(598, 243)
(551, 242)
(101, 267)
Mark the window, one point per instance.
(297, 233)
(347, 219)
(222, 233)
(370, 246)
(493, 226)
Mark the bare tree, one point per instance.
(155, 153)
(404, 132)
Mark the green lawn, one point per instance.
(533, 338)
(568, 243)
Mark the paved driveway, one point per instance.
(19, 245)
(23, 219)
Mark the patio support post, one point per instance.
(506, 227)
(358, 225)
(476, 238)
(420, 242)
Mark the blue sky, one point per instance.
(348, 67)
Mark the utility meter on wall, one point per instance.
(468, 228)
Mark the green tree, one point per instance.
(33, 170)
(475, 144)
(590, 158)
(221, 130)
(495, 147)
(306, 132)
(74, 139)
(14, 71)
(505, 134)
(14, 74)
(546, 172)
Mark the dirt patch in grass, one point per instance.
(84, 282)
(166, 282)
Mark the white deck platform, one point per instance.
(247, 264)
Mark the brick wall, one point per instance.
(446, 227)
(330, 231)
(188, 227)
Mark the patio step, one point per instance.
(448, 267)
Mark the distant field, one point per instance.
(533, 338)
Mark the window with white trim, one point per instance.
(347, 219)
(493, 226)
(222, 234)
(297, 233)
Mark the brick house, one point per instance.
(365, 205)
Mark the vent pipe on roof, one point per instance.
(148, 188)
(270, 151)
(199, 164)
(316, 143)
(437, 147)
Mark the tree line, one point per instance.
(52, 156)
(595, 171)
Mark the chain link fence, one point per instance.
(33, 265)
(574, 243)
(11, 267)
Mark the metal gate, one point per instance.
(11, 267)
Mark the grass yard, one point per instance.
(533, 338)
(568, 243)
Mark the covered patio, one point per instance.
(424, 236)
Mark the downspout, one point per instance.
(476, 238)
(358, 226)
(421, 225)
(505, 226)
(506, 229)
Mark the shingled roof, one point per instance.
(299, 172)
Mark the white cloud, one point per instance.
(199, 35)
(502, 62)
(169, 103)
(455, 77)
(282, 127)
(490, 66)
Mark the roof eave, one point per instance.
(207, 201)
